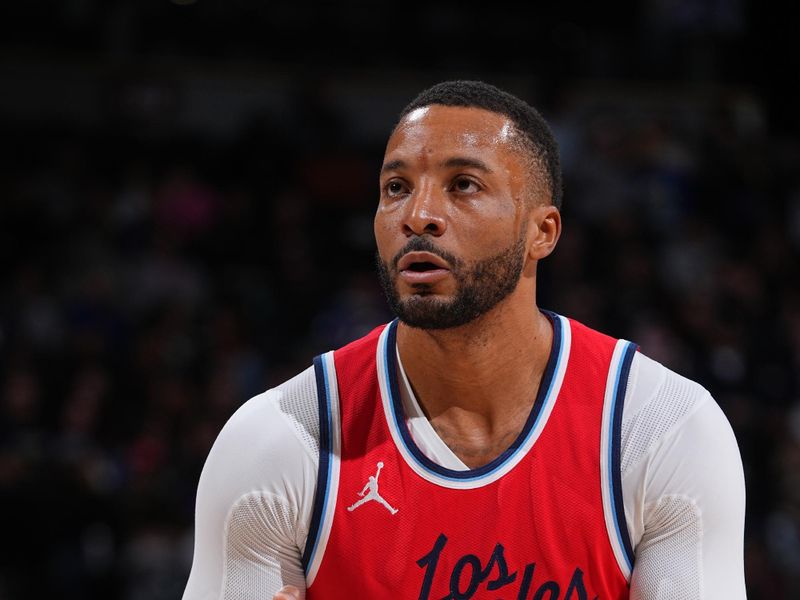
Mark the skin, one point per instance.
(287, 592)
(460, 176)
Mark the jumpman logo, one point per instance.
(371, 491)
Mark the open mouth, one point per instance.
(421, 267)
(421, 262)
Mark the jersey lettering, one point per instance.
(468, 575)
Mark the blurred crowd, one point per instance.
(151, 285)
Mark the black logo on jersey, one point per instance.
(470, 574)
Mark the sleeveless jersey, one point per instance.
(544, 520)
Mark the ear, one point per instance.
(544, 229)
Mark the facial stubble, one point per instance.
(480, 286)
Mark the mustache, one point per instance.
(424, 244)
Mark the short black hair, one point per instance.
(537, 135)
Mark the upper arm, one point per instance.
(254, 501)
(684, 495)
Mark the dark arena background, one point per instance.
(186, 201)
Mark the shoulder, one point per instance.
(282, 418)
(656, 388)
(287, 416)
(270, 444)
(665, 412)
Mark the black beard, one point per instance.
(480, 286)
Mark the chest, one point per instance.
(530, 523)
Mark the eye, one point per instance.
(465, 185)
(395, 187)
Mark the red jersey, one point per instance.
(544, 520)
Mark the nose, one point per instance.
(425, 212)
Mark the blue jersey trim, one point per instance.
(324, 470)
(390, 369)
(615, 452)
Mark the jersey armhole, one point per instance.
(611, 453)
(328, 470)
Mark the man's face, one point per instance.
(452, 219)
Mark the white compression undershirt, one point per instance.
(682, 486)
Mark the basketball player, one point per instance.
(477, 446)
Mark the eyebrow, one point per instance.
(450, 163)
(463, 161)
(393, 165)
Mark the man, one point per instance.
(476, 447)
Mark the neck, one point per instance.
(482, 376)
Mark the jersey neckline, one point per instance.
(542, 407)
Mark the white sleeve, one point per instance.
(683, 489)
(255, 497)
